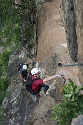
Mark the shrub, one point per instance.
(1, 116)
(4, 82)
(71, 106)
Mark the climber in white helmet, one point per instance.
(23, 73)
(22, 68)
(38, 82)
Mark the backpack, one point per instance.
(24, 74)
(28, 85)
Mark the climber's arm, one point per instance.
(51, 77)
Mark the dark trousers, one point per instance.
(45, 87)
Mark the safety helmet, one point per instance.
(34, 71)
(24, 67)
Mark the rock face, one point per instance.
(78, 120)
(69, 20)
(20, 109)
(14, 60)
(18, 106)
(72, 15)
(79, 30)
(19, 57)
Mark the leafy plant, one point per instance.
(71, 106)
(17, 22)
(4, 82)
(1, 116)
(71, 91)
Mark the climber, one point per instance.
(38, 83)
(20, 65)
(23, 73)
(22, 68)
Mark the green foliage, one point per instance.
(71, 106)
(17, 22)
(9, 19)
(4, 58)
(4, 79)
(28, 19)
(4, 82)
(30, 45)
(71, 91)
(1, 116)
(2, 95)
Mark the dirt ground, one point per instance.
(52, 40)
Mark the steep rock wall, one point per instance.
(79, 30)
(69, 20)
(72, 16)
